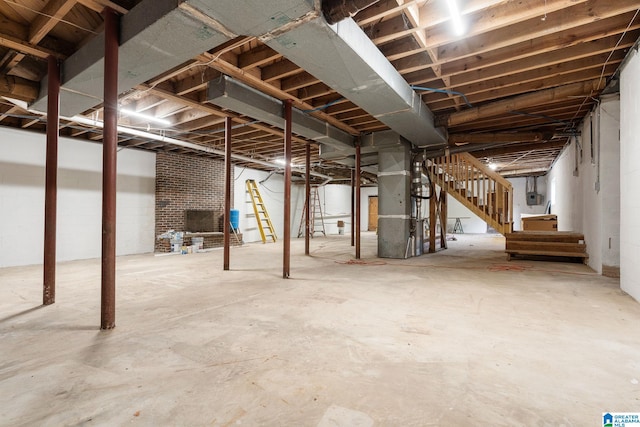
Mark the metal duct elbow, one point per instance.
(336, 10)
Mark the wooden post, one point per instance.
(443, 219)
(432, 221)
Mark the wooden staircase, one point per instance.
(472, 183)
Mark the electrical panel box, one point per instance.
(534, 198)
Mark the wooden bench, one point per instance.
(531, 244)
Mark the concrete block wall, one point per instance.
(186, 182)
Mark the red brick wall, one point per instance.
(186, 182)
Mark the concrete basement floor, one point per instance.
(462, 337)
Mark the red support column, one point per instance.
(357, 178)
(286, 242)
(227, 190)
(109, 170)
(352, 209)
(51, 183)
(307, 201)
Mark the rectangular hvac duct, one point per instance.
(344, 58)
(233, 95)
(155, 36)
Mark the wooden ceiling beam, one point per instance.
(435, 12)
(530, 86)
(311, 92)
(382, 11)
(196, 81)
(257, 57)
(495, 17)
(482, 138)
(524, 123)
(520, 148)
(279, 70)
(48, 18)
(558, 62)
(99, 5)
(505, 65)
(298, 81)
(26, 48)
(586, 40)
(571, 17)
(18, 88)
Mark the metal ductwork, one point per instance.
(340, 55)
(155, 36)
(344, 58)
(233, 95)
(158, 35)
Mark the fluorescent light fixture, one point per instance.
(456, 19)
(147, 117)
(282, 162)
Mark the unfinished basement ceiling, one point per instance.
(511, 50)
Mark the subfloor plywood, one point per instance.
(460, 337)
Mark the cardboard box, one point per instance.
(540, 223)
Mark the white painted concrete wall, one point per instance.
(587, 199)
(520, 206)
(335, 200)
(272, 192)
(567, 189)
(471, 223)
(22, 162)
(630, 176)
(610, 179)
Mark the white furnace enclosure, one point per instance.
(79, 212)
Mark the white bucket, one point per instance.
(197, 243)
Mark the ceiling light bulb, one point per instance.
(493, 166)
(456, 19)
(147, 117)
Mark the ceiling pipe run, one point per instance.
(189, 145)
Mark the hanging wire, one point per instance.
(624, 33)
(542, 116)
(450, 92)
(325, 106)
(11, 2)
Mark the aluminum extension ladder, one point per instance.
(316, 219)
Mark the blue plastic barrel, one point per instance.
(234, 218)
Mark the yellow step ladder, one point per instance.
(260, 210)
